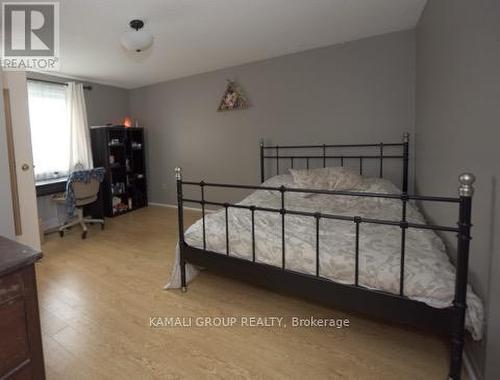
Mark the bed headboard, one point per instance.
(324, 154)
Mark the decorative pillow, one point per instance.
(311, 178)
(344, 179)
(334, 178)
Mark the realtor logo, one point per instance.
(30, 35)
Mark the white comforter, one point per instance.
(429, 274)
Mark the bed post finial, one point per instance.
(178, 173)
(406, 137)
(466, 181)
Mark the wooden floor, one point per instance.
(97, 295)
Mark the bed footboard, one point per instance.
(392, 307)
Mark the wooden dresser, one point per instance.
(21, 355)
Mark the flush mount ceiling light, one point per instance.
(137, 39)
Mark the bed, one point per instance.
(367, 249)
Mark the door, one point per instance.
(6, 205)
(25, 213)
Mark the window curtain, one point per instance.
(49, 129)
(80, 153)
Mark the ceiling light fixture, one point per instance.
(137, 39)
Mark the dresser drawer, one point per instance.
(23, 373)
(15, 347)
(11, 286)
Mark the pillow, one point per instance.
(334, 178)
(346, 179)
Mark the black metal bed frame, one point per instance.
(381, 304)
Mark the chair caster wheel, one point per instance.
(184, 289)
(61, 233)
(84, 234)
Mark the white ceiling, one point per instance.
(195, 36)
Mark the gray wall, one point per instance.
(361, 91)
(106, 104)
(457, 116)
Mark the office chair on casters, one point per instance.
(82, 190)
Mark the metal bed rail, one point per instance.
(403, 224)
(324, 156)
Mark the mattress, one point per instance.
(429, 274)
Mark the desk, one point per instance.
(55, 186)
(50, 186)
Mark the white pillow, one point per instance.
(334, 178)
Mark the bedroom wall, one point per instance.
(360, 91)
(105, 104)
(457, 114)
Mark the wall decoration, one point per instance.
(127, 121)
(233, 98)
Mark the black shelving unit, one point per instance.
(121, 151)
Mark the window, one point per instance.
(50, 132)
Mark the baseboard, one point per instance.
(167, 205)
(49, 225)
(470, 368)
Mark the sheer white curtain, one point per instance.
(80, 153)
(49, 129)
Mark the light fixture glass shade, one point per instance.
(137, 40)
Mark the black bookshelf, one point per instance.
(121, 151)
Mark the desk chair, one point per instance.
(85, 193)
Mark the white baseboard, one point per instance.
(175, 206)
(50, 224)
(470, 369)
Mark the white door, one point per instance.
(22, 179)
(6, 206)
